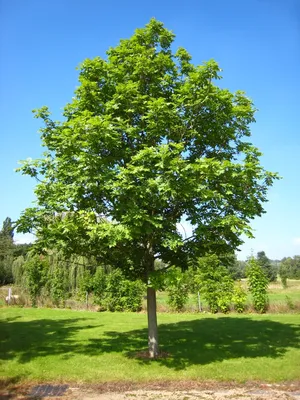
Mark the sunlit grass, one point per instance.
(61, 345)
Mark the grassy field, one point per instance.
(47, 345)
(280, 299)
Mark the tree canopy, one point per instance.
(148, 139)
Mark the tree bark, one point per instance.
(151, 303)
(152, 323)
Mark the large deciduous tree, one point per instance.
(148, 139)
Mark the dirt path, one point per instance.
(166, 391)
(234, 394)
(229, 394)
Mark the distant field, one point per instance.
(47, 345)
(281, 300)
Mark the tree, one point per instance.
(8, 228)
(269, 269)
(148, 139)
(6, 252)
(6, 259)
(283, 273)
(214, 283)
(290, 267)
(36, 271)
(258, 285)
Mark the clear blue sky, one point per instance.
(256, 42)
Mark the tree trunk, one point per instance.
(199, 302)
(152, 323)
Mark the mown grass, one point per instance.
(47, 345)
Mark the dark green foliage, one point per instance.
(290, 267)
(57, 285)
(9, 251)
(290, 303)
(21, 249)
(258, 285)
(7, 228)
(237, 269)
(6, 259)
(85, 283)
(18, 269)
(283, 273)
(99, 285)
(269, 269)
(36, 273)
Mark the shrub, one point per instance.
(99, 286)
(36, 270)
(290, 303)
(18, 269)
(122, 294)
(57, 285)
(239, 297)
(177, 289)
(258, 285)
(283, 273)
(214, 283)
(85, 283)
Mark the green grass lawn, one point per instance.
(45, 345)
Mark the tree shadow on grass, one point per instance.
(26, 340)
(200, 341)
(206, 340)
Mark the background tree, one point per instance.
(36, 274)
(269, 269)
(148, 139)
(235, 267)
(7, 228)
(290, 267)
(6, 252)
(6, 259)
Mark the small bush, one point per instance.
(99, 286)
(214, 283)
(36, 271)
(122, 294)
(283, 273)
(239, 298)
(57, 286)
(290, 303)
(177, 289)
(258, 285)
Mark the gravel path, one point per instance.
(232, 394)
(186, 390)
